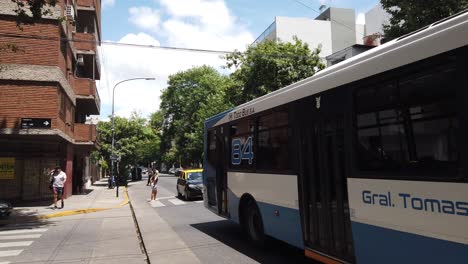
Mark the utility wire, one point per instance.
(2, 34)
(221, 52)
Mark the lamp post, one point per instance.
(112, 146)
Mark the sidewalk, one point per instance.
(162, 243)
(98, 198)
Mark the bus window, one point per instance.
(273, 142)
(242, 145)
(409, 126)
(212, 147)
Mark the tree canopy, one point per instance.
(136, 142)
(30, 11)
(270, 65)
(191, 97)
(410, 15)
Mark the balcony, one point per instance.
(87, 96)
(85, 133)
(85, 41)
(95, 4)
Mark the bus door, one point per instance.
(221, 173)
(326, 218)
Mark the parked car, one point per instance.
(5, 208)
(190, 184)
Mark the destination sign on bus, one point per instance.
(241, 113)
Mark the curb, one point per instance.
(85, 211)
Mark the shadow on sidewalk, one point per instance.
(85, 192)
(231, 235)
(23, 218)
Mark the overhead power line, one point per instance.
(114, 43)
(221, 52)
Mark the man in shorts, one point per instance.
(59, 179)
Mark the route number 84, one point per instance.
(241, 152)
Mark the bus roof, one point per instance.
(440, 37)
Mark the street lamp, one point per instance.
(112, 148)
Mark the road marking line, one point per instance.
(167, 197)
(5, 262)
(16, 244)
(199, 201)
(20, 237)
(156, 204)
(9, 253)
(176, 201)
(10, 232)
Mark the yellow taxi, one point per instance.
(190, 183)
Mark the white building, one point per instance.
(334, 30)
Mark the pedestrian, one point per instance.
(150, 175)
(58, 180)
(154, 186)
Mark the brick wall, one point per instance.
(87, 3)
(84, 41)
(31, 50)
(22, 99)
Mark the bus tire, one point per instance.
(254, 224)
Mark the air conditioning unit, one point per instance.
(80, 60)
(70, 12)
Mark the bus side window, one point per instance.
(409, 126)
(212, 147)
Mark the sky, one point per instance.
(221, 25)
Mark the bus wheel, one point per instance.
(254, 225)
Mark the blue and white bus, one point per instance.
(364, 162)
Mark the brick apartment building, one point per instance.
(47, 89)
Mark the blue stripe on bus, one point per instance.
(285, 227)
(373, 244)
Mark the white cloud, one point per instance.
(145, 17)
(361, 19)
(202, 24)
(108, 3)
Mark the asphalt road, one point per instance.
(211, 238)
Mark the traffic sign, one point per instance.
(114, 157)
(36, 123)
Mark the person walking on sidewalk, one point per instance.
(59, 179)
(154, 186)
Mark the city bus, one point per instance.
(364, 162)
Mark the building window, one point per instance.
(62, 105)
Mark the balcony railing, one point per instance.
(84, 41)
(87, 87)
(85, 133)
(88, 3)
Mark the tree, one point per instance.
(191, 97)
(410, 15)
(270, 65)
(30, 11)
(135, 141)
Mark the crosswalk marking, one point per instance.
(167, 197)
(15, 244)
(176, 201)
(9, 253)
(4, 262)
(20, 236)
(157, 204)
(11, 232)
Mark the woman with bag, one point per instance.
(57, 182)
(154, 185)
